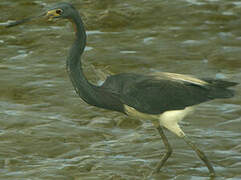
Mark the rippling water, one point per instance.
(47, 132)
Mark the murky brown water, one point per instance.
(47, 132)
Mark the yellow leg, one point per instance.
(168, 147)
(201, 155)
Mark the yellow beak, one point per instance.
(51, 14)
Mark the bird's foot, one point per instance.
(212, 174)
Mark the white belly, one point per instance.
(168, 119)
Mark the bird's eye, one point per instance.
(59, 11)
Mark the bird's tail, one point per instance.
(220, 88)
(220, 83)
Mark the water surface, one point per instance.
(47, 132)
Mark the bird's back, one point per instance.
(157, 93)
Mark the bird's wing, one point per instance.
(160, 92)
(155, 94)
(182, 78)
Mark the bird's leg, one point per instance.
(168, 147)
(201, 155)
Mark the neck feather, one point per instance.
(74, 67)
(91, 94)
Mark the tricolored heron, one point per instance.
(164, 98)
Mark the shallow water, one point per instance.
(47, 132)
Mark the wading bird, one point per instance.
(164, 98)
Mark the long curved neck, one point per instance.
(91, 94)
(85, 90)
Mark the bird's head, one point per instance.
(58, 11)
(61, 11)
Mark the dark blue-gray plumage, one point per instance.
(164, 98)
